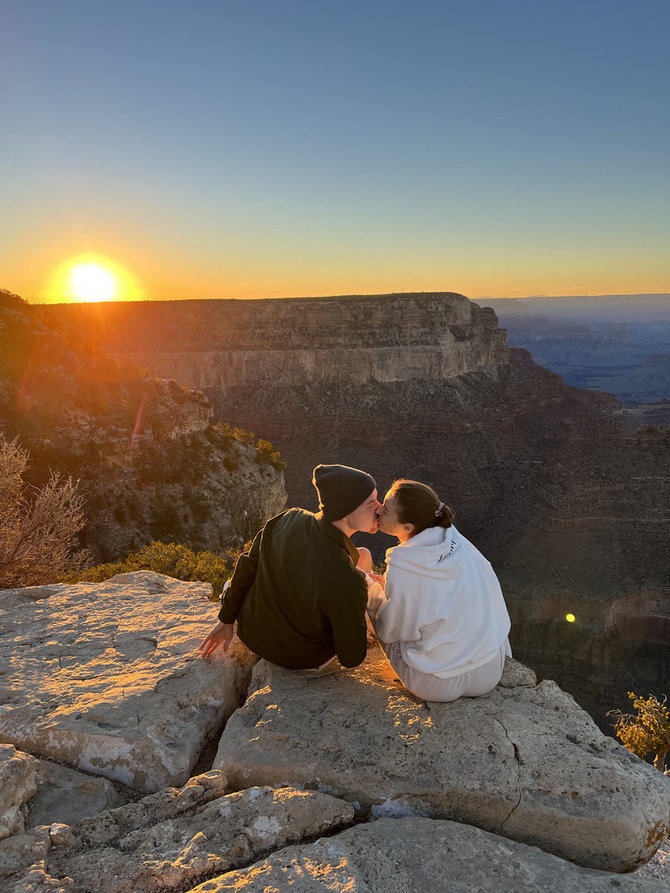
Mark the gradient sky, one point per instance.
(249, 149)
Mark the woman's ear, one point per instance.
(408, 528)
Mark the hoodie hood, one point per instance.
(433, 553)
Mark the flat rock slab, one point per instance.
(524, 762)
(106, 677)
(399, 855)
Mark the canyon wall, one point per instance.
(345, 340)
(554, 484)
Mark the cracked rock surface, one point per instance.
(399, 855)
(174, 838)
(525, 762)
(105, 677)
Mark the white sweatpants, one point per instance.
(433, 688)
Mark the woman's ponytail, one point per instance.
(419, 505)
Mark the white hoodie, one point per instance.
(442, 602)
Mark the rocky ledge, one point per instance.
(320, 781)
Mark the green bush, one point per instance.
(171, 559)
(267, 453)
(231, 433)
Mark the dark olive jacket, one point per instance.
(297, 596)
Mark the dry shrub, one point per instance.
(38, 527)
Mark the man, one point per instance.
(297, 595)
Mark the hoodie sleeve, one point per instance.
(397, 620)
(376, 598)
(241, 582)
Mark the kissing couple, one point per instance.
(303, 592)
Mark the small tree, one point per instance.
(646, 731)
(38, 529)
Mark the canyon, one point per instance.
(614, 343)
(557, 486)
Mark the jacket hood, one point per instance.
(428, 554)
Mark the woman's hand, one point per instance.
(222, 634)
(378, 578)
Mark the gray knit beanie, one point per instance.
(341, 489)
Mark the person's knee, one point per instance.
(364, 559)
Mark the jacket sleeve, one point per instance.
(346, 614)
(397, 620)
(241, 582)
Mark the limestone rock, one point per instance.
(659, 866)
(398, 855)
(202, 840)
(65, 795)
(23, 858)
(516, 673)
(107, 828)
(524, 762)
(18, 783)
(106, 677)
(21, 854)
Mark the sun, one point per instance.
(92, 279)
(92, 282)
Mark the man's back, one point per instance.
(297, 595)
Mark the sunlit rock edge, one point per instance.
(24, 846)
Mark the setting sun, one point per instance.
(91, 282)
(92, 278)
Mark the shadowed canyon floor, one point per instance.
(337, 779)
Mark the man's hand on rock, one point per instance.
(222, 634)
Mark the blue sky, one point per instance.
(222, 149)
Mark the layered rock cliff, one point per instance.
(352, 340)
(553, 484)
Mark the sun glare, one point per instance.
(92, 278)
(91, 282)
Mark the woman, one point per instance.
(439, 613)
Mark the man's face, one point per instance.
(365, 517)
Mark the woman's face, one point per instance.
(389, 521)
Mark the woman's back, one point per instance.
(445, 605)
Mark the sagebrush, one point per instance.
(38, 527)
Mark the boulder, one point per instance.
(66, 795)
(233, 830)
(516, 674)
(525, 762)
(174, 838)
(37, 792)
(398, 855)
(106, 677)
(23, 862)
(18, 783)
(23, 858)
